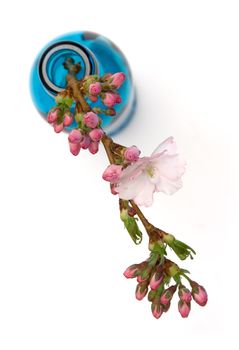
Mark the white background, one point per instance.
(63, 248)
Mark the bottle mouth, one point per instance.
(51, 70)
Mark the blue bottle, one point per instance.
(97, 55)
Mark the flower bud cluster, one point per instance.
(87, 135)
(153, 278)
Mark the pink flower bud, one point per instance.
(58, 127)
(109, 99)
(156, 280)
(157, 309)
(91, 120)
(118, 98)
(74, 148)
(75, 136)
(52, 116)
(95, 88)
(131, 154)
(131, 271)
(184, 294)
(113, 189)
(112, 173)
(68, 119)
(96, 134)
(167, 295)
(85, 143)
(141, 291)
(93, 147)
(183, 308)
(118, 79)
(93, 98)
(199, 294)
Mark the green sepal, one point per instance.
(182, 250)
(158, 247)
(131, 226)
(154, 257)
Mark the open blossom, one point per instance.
(161, 172)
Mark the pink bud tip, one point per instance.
(58, 127)
(68, 119)
(91, 120)
(118, 79)
(109, 99)
(131, 154)
(96, 134)
(112, 173)
(199, 294)
(85, 143)
(184, 294)
(52, 116)
(93, 98)
(141, 291)
(156, 280)
(93, 147)
(95, 88)
(183, 308)
(74, 148)
(157, 309)
(131, 271)
(75, 136)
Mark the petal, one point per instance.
(171, 167)
(139, 189)
(134, 169)
(167, 186)
(168, 145)
(129, 188)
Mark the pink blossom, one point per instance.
(156, 280)
(109, 99)
(58, 127)
(75, 136)
(161, 172)
(184, 294)
(131, 271)
(91, 120)
(183, 308)
(141, 291)
(131, 154)
(74, 148)
(85, 143)
(118, 79)
(95, 88)
(68, 119)
(52, 116)
(93, 147)
(96, 134)
(199, 294)
(112, 173)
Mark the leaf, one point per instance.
(132, 227)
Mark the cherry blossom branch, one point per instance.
(125, 167)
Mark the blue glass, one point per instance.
(97, 55)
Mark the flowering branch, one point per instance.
(134, 179)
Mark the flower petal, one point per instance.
(168, 145)
(167, 186)
(171, 167)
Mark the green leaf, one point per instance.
(131, 226)
(182, 245)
